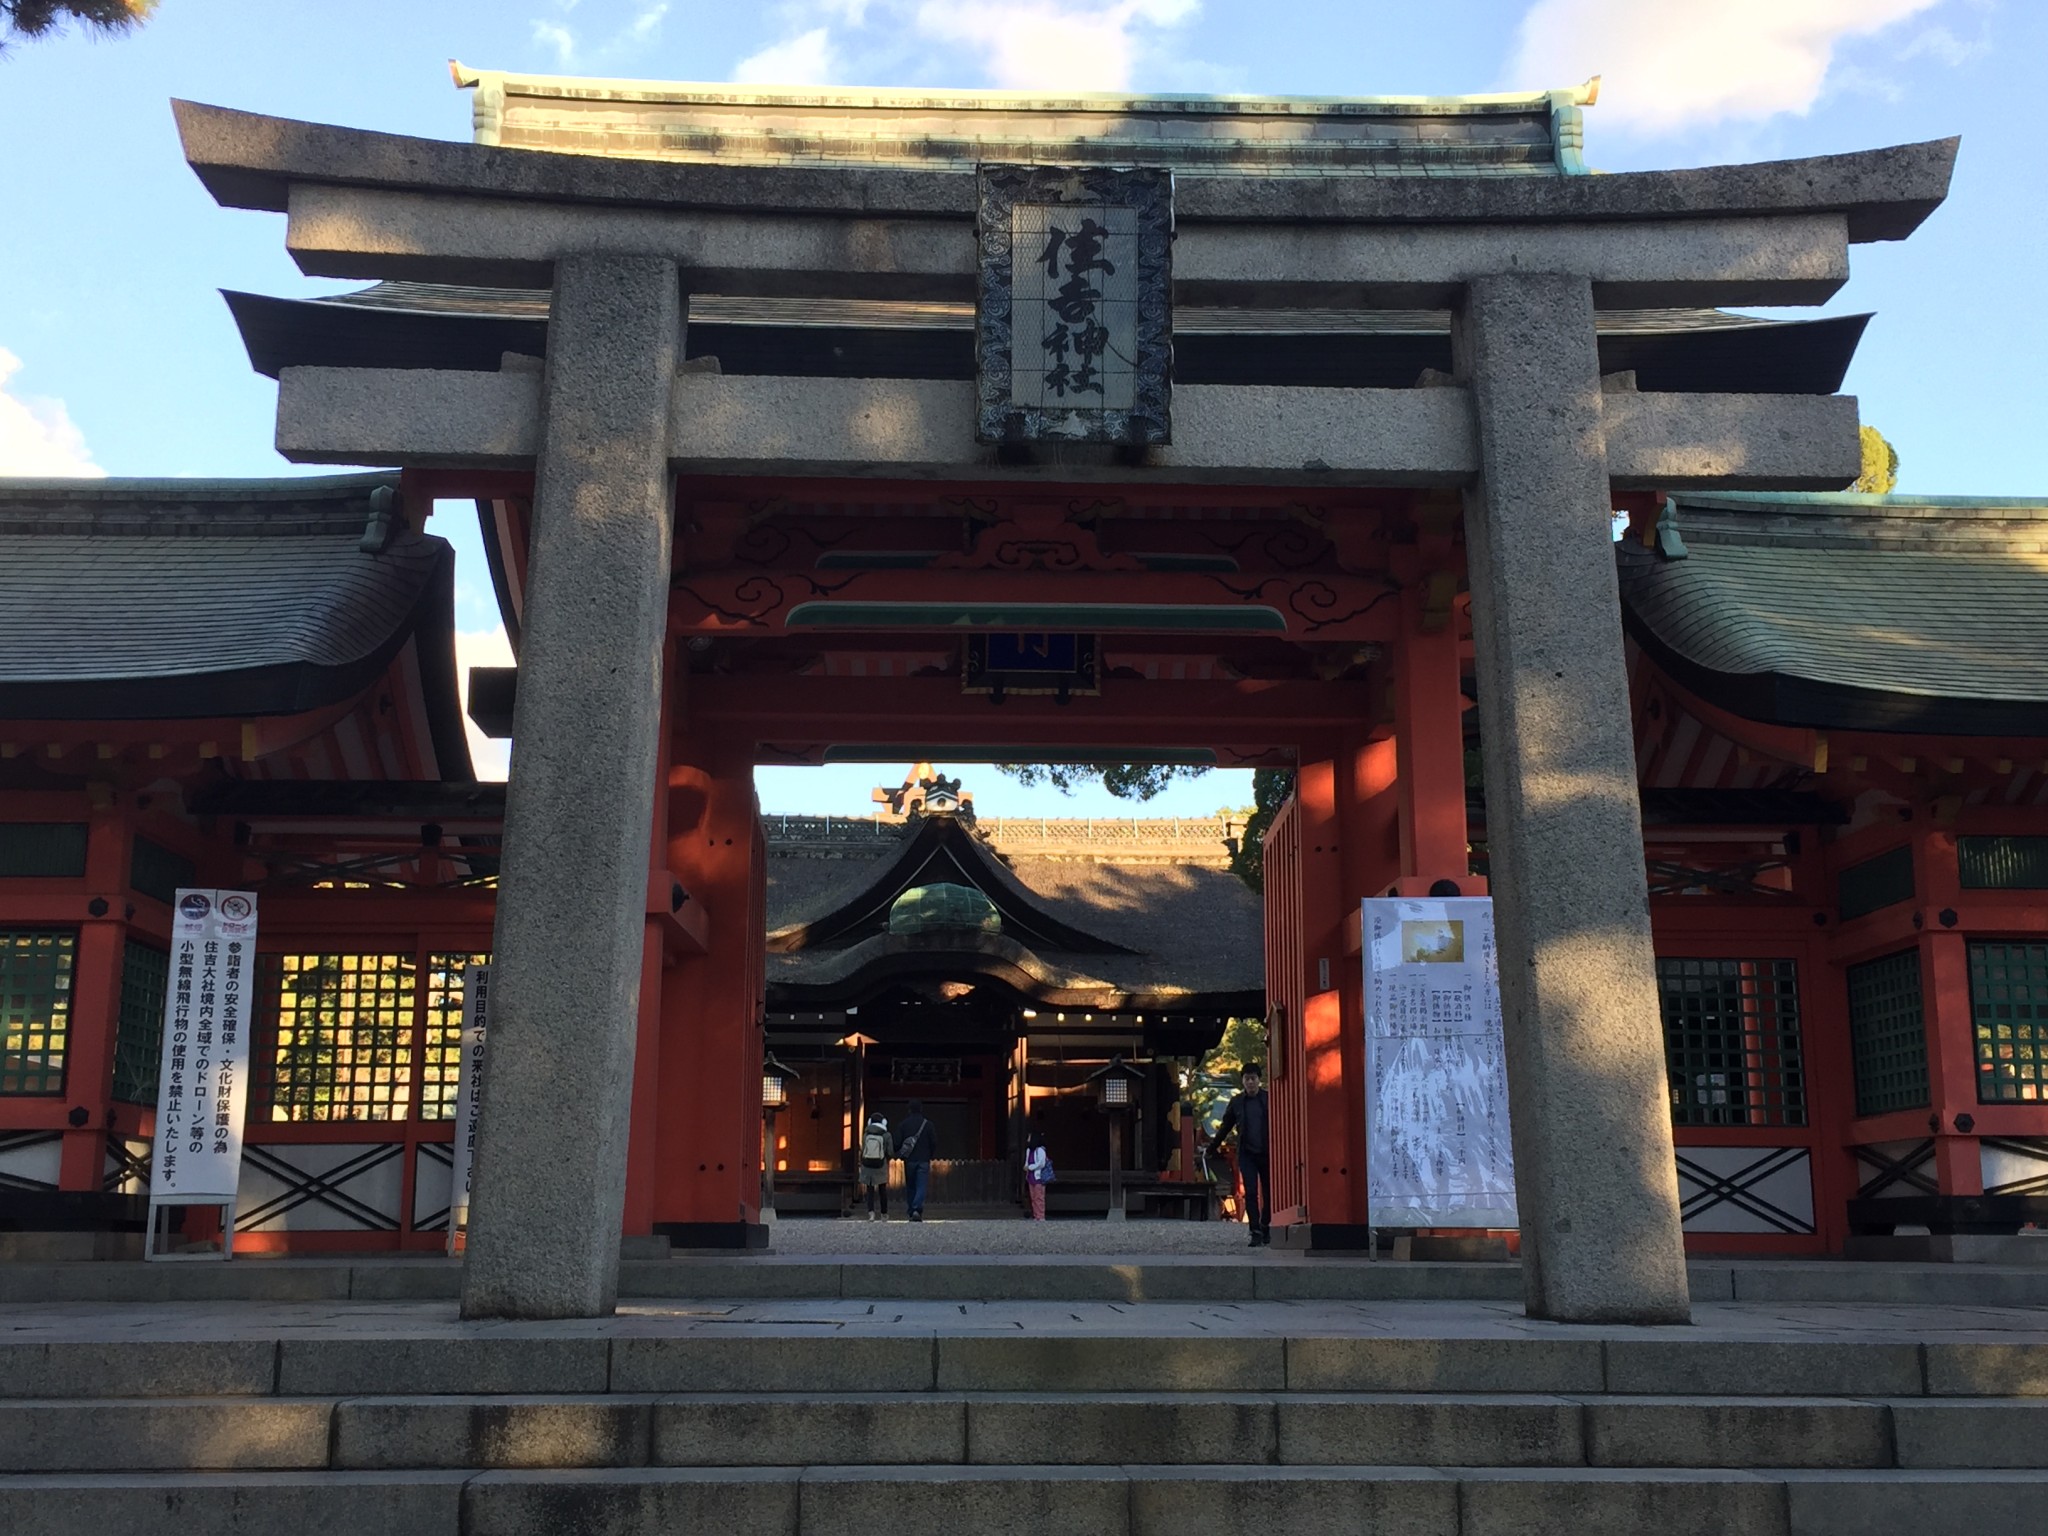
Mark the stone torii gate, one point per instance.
(1525, 430)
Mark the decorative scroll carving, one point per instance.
(757, 601)
(1037, 537)
(1317, 603)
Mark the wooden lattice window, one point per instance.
(139, 1040)
(35, 1009)
(337, 1042)
(1888, 1034)
(1731, 1041)
(441, 1051)
(2009, 1015)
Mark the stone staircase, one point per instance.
(1422, 1430)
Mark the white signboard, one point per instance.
(1438, 1153)
(203, 1081)
(469, 1093)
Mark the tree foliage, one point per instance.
(1127, 781)
(1270, 789)
(1880, 464)
(36, 18)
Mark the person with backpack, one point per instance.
(915, 1148)
(1037, 1173)
(1248, 1116)
(876, 1148)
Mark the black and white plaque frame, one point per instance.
(1074, 322)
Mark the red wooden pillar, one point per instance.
(1945, 995)
(708, 1110)
(1345, 802)
(1429, 725)
(642, 1145)
(96, 998)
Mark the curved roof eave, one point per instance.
(887, 960)
(1838, 611)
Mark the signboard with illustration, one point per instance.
(1438, 1152)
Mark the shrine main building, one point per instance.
(815, 426)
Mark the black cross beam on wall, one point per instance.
(1887, 1171)
(303, 1187)
(1739, 1188)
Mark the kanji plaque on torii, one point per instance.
(1074, 324)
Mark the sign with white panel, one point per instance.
(1438, 1152)
(203, 1081)
(469, 1094)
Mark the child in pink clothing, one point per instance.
(1037, 1174)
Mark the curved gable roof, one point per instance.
(1884, 613)
(170, 599)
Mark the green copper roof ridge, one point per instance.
(110, 486)
(1549, 100)
(1851, 500)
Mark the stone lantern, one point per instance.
(1116, 1089)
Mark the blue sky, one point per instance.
(117, 355)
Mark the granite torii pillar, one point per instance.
(551, 1140)
(1594, 1168)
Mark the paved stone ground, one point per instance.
(120, 1323)
(806, 1235)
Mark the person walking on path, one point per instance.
(876, 1148)
(1037, 1174)
(915, 1148)
(1247, 1115)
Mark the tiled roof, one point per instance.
(1855, 612)
(157, 599)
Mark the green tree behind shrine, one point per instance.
(1880, 464)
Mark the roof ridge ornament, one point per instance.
(1669, 544)
(1568, 126)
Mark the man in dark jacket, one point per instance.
(1247, 1115)
(914, 1146)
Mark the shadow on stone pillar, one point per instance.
(1597, 1182)
(551, 1140)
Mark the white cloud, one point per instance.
(483, 648)
(1023, 45)
(646, 23)
(551, 34)
(632, 37)
(806, 59)
(1050, 44)
(37, 435)
(1668, 67)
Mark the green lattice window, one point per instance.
(2002, 863)
(337, 1042)
(139, 1042)
(1731, 1041)
(2009, 1015)
(441, 1052)
(35, 1009)
(1887, 1034)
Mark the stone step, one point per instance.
(919, 1278)
(1017, 1429)
(1130, 1500)
(443, 1358)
